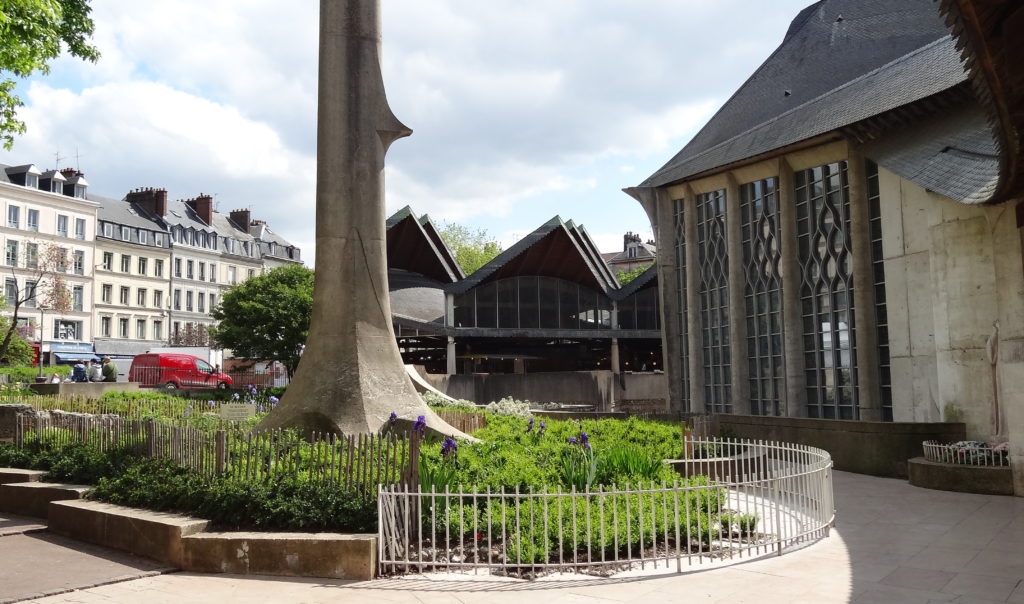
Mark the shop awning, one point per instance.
(75, 356)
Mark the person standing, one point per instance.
(109, 370)
(95, 372)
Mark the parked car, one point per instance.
(176, 371)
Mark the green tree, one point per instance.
(625, 276)
(19, 352)
(32, 33)
(266, 318)
(472, 248)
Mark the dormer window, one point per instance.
(126, 234)
(80, 191)
(108, 230)
(144, 237)
(32, 181)
(55, 186)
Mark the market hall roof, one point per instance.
(842, 61)
(415, 245)
(555, 249)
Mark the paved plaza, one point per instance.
(892, 543)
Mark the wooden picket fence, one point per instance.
(465, 422)
(355, 462)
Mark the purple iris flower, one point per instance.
(529, 426)
(420, 425)
(449, 447)
(393, 418)
(274, 399)
(572, 440)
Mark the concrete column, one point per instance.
(695, 356)
(739, 370)
(615, 356)
(795, 404)
(866, 333)
(659, 207)
(450, 356)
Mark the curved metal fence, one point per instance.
(757, 498)
(966, 453)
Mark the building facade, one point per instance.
(49, 227)
(141, 272)
(842, 243)
(132, 275)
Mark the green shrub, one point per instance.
(28, 374)
(435, 400)
(744, 524)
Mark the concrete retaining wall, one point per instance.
(86, 389)
(8, 416)
(875, 448)
(328, 555)
(597, 388)
(33, 498)
(961, 478)
(182, 541)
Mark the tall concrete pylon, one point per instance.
(351, 377)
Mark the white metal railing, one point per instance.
(771, 497)
(965, 452)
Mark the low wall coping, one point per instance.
(188, 524)
(18, 475)
(260, 536)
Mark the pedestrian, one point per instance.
(109, 370)
(95, 371)
(78, 373)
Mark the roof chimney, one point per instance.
(242, 218)
(151, 200)
(203, 207)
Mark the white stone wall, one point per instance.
(951, 270)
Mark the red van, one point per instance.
(170, 370)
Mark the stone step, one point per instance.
(155, 535)
(326, 555)
(12, 475)
(33, 498)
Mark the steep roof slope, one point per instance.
(841, 61)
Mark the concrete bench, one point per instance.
(156, 535)
(33, 498)
(327, 555)
(13, 475)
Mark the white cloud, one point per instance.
(514, 104)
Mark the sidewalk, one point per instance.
(892, 543)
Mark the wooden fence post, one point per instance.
(150, 438)
(221, 443)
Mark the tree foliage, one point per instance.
(472, 248)
(19, 352)
(625, 276)
(46, 286)
(32, 33)
(266, 318)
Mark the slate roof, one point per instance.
(575, 258)
(119, 211)
(953, 154)
(648, 278)
(842, 61)
(413, 244)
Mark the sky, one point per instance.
(520, 109)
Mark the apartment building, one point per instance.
(132, 278)
(46, 213)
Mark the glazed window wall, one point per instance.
(759, 208)
(881, 315)
(684, 340)
(640, 310)
(714, 300)
(533, 302)
(826, 294)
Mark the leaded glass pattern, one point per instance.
(881, 315)
(684, 340)
(759, 208)
(714, 300)
(826, 292)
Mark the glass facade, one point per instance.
(826, 293)
(881, 314)
(714, 300)
(759, 208)
(533, 302)
(681, 303)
